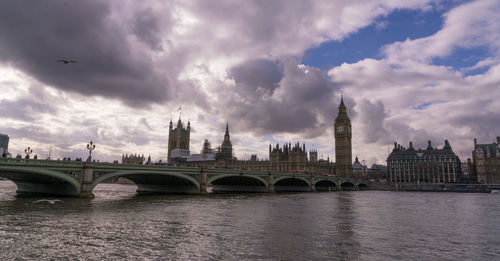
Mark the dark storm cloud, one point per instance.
(146, 28)
(35, 34)
(378, 129)
(373, 118)
(258, 73)
(279, 97)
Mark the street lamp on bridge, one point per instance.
(28, 151)
(90, 147)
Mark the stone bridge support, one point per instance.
(86, 180)
(270, 183)
(313, 186)
(203, 181)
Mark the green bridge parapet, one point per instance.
(77, 178)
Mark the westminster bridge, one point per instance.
(78, 179)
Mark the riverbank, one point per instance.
(438, 187)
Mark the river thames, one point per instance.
(363, 225)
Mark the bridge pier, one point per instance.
(270, 183)
(87, 179)
(313, 187)
(203, 181)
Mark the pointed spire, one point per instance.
(227, 129)
(429, 145)
(342, 109)
(447, 145)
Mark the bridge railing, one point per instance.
(107, 165)
(39, 162)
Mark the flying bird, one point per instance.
(66, 61)
(50, 201)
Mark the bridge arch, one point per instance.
(362, 186)
(292, 184)
(348, 186)
(237, 183)
(41, 181)
(155, 181)
(325, 185)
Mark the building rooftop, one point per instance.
(201, 157)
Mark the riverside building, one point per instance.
(178, 140)
(4, 145)
(430, 165)
(343, 142)
(287, 158)
(485, 165)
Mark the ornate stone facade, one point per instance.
(485, 165)
(178, 138)
(133, 159)
(286, 159)
(226, 149)
(343, 147)
(431, 165)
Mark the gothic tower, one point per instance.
(313, 156)
(178, 138)
(343, 148)
(227, 148)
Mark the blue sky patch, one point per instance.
(426, 104)
(366, 43)
(463, 58)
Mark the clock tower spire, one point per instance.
(343, 147)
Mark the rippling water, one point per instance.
(367, 225)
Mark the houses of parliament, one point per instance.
(287, 158)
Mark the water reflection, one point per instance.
(346, 246)
(368, 225)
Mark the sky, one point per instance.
(409, 70)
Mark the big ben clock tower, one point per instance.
(343, 149)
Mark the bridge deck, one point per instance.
(76, 178)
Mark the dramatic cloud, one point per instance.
(281, 96)
(426, 103)
(35, 35)
(238, 62)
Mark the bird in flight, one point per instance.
(66, 61)
(50, 201)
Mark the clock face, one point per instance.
(340, 128)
